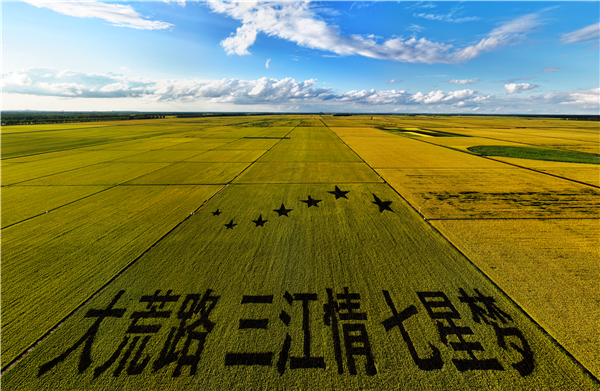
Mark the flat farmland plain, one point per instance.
(289, 252)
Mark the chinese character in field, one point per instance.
(266, 358)
(488, 313)
(397, 320)
(85, 360)
(440, 309)
(491, 314)
(356, 340)
(185, 343)
(262, 358)
(154, 310)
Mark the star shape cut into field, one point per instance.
(230, 225)
(339, 193)
(383, 205)
(259, 222)
(283, 211)
(311, 202)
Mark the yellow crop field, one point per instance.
(588, 173)
(306, 143)
(227, 155)
(159, 156)
(466, 142)
(492, 193)
(63, 257)
(13, 129)
(310, 123)
(308, 173)
(405, 152)
(271, 131)
(361, 131)
(23, 202)
(291, 312)
(137, 145)
(42, 168)
(300, 252)
(515, 252)
(249, 143)
(191, 174)
(41, 156)
(199, 144)
(98, 174)
(310, 155)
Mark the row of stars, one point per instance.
(283, 211)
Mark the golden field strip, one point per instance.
(296, 252)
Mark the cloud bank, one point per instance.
(68, 84)
(117, 14)
(297, 22)
(273, 93)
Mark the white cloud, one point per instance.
(443, 97)
(591, 32)
(505, 34)
(16, 78)
(117, 14)
(394, 81)
(68, 84)
(421, 4)
(552, 69)
(449, 17)
(481, 98)
(266, 94)
(518, 87)
(298, 22)
(468, 81)
(415, 28)
(586, 98)
(267, 64)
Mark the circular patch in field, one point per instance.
(536, 154)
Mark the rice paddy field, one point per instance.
(301, 252)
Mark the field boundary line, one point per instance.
(510, 164)
(58, 207)
(113, 161)
(553, 137)
(510, 299)
(58, 130)
(72, 169)
(512, 128)
(542, 172)
(110, 142)
(86, 146)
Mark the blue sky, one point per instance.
(375, 56)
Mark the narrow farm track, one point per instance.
(301, 267)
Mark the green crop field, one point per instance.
(296, 252)
(537, 154)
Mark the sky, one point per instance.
(482, 57)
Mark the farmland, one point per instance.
(296, 252)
